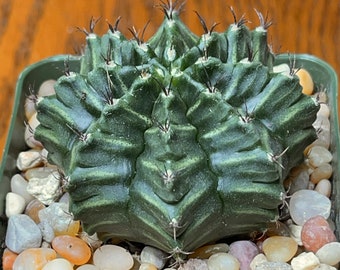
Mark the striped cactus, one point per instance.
(179, 140)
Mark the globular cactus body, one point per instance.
(177, 141)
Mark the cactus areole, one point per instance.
(180, 140)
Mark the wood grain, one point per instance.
(31, 30)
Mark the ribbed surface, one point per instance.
(168, 145)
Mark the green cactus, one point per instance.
(180, 140)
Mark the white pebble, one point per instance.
(257, 260)
(322, 123)
(329, 253)
(274, 265)
(222, 261)
(282, 68)
(47, 88)
(88, 267)
(58, 264)
(323, 111)
(318, 155)
(324, 187)
(29, 159)
(22, 233)
(30, 106)
(47, 190)
(325, 267)
(305, 261)
(295, 233)
(15, 204)
(41, 172)
(305, 204)
(194, 264)
(112, 257)
(19, 186)
(154, 256)
(29, 131)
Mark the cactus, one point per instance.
(180, 140)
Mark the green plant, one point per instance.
(180, 140)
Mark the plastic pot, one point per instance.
(323, 74)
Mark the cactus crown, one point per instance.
(180, 140)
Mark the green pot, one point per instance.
(52, 68)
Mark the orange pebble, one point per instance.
(34, 258)
(8, 258)
(72, 248)
(72, 229)
(306, 81)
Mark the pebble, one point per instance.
(29, 131)
(92, 240)
(324, 171)
(46, 231)
(279, 248)
(15, 204)
(322, 123)
(323, 111)
(322, 266)
(273, 266)
(34, 258)
(40, 172)
(19, 186)
(47, 88)
(323, 140)
(58, 264)
(222, 261)
(305, 261)
(295, 233)
(22, 233)
(194, 264)
(47, 190)
(88, 267)
(112, 257)
(72, 248)
(153, 256)
(324, 187)
(315, 233)
(305, 204)
(318, 155)
(58, 216)
(30, 106)
(257, 260)
(206, 251)
(244, 251)
(298, 179)
(8, 258)
(306, 81)
(329, 253)
(147, 266)
(33, 208)
(29, 159)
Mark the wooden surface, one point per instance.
(31, 30)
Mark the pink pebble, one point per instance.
(315, 233)
(244, 251)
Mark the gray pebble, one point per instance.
(22, 233)
(46, 231)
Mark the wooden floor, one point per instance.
(31, 30)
